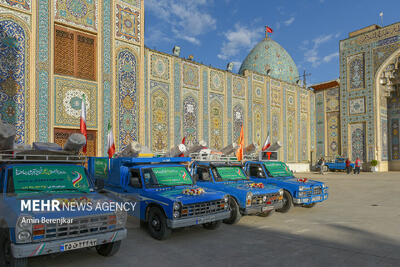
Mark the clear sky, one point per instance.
(216, 32)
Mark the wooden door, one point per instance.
(61, 136)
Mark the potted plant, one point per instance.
(374, 165)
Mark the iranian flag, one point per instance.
(110, 141)
(267, 144)
(83, 122)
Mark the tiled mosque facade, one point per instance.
(54, 52)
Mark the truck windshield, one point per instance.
(230, 173)
(48, 178)
(166, 176)
(277, 169)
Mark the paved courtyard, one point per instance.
(359, 225)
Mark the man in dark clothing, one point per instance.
(348, 167)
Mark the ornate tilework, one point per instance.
(159, 67)
(68, 100)
(357, 105)
(395, 149)
(290, 100)
(258, 125)
(128, 123)
(312, 121)
(135, 3)
(20, 4)
(291, 134)
(356, 71)
(384, 138)
(380, 54)
(333, 138)
(191, 75)
(258, 91)
(275, 122)
(238, 116)
(238, 87)
(216, 124)
(146, 78)
(159, 120)
(304, 103)
(303, 153)
(107, 70)
(24, 17)
(216, 81)
(190, 118)
(127, 23)
(258, 78)
(229, 106)
(332, 99)
(249, 111)
(275, 96)
(358, 148)
(77, 12)
(177, 102)
(269, 58)
(320, 124)
(14, 77)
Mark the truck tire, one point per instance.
(212, 225)
(110, 249)
(157, 224)
(287, 202)
(6, 257)
(235, 212)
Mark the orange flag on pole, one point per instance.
(239, 151)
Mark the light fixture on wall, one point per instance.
(176, 51)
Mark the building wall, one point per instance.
(363, 111)
(146, 95)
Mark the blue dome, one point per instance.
(269, 55)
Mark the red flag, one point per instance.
(267, 144)
(183, 140)
(268, 29)
(110, 141)
(83, 122)
(239, 151)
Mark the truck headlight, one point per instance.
(24, 236)
(226, 199)
(121, 217)
(23, 229)
(249, 196)
(177, 206)
(303, 188)
(177, 214)
(281, 192)
(264, 198)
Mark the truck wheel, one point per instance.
(235, 212)
(287, 202)
(309, 205)
(6, 257)
(212, 225)
(110, 249)
(157, 223)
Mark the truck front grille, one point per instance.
(203, 208)
(317, 190)
(272, 198)
(79, 227)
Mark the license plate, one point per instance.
(316, 198)
(205, 219)
(78, 244)
(267, 208)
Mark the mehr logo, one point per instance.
(77, 179)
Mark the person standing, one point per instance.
(357, 166)
(322, 166)
(348, 166)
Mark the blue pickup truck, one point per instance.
(245, 196)
(37, 195)
(165, 191)
(338, 165)
(299, 191)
